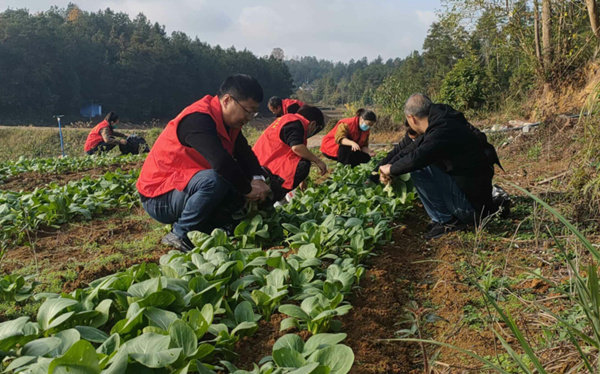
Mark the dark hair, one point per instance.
(242, 87)
(275, 101)
(367, 115)
(111, 117)
(312, 113)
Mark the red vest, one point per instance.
(277, 156)
(285, 104)
(170, 165)
(330, 147)
(94, 138)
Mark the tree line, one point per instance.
(478, 55)
(57, 61)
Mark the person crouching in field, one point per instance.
(201, 167)
(280, 107)
(348, 142)
(103, 136)
(450, 163)
(282, 150)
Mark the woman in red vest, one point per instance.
(348, 142)
(281, 149)
(201, 167)
(280, 107)
(103, 136)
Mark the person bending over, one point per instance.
(282, 150)
(450, 163)
(103, 136)
(280, 107)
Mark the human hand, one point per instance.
(355, 147)
(260, 191)
(321, 165)
(385, 176)
(385, 169)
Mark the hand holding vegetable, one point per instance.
(259, 192)
(384, 174)
(321, 165)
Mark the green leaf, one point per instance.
(319, 341)
(68, 338)
(183, 336)
(306, 369)
(289, 323)
(160, 318)
(152, 350)
(21, 361)
(92, 334)
(339, 358)
(308, 251)
(243, 326)
(202, 351)
(145, 288)
(110, 345)
(294, 311)
(160, 299)
(289, 341)
(81, 358)
(288, 358)
(41, 347)
(244, 312)
(49, 313)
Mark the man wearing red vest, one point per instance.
(201, 166)
(281, 149)
(280, 107)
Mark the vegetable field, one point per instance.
(187, 312)
(337, 281)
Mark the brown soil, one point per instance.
(32, 180)
(87, 244)
(557, 146)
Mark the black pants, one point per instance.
(348, 157)
(101, 148)
(301, 174)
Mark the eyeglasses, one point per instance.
(249, 114)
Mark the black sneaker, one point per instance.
(430, 225)
(182, 245)
(438, 230)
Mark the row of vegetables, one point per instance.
(188, 313)
(10, 169)
(23, 213)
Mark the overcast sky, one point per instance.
(331, 29)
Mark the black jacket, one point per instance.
(455, 146)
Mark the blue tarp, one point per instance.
(91, 110)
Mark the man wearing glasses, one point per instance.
(201, 166)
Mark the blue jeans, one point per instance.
(441, 197)
(205, 204)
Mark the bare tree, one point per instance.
(593, 12)
(546, 33)
(536, 25)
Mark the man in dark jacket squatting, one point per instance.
(450, 163)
